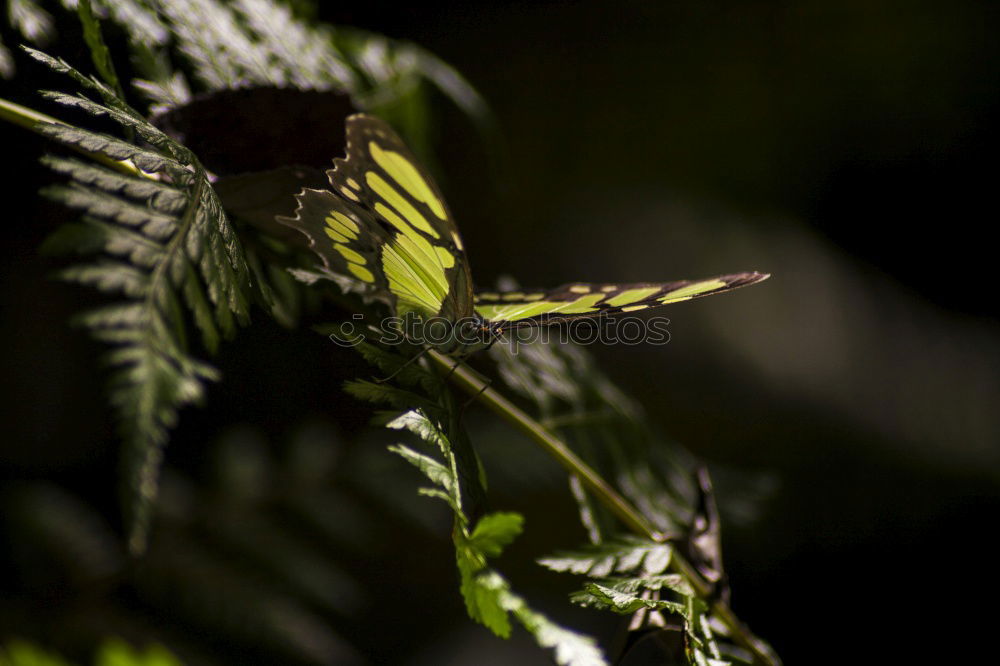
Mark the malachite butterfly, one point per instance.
(385, 227)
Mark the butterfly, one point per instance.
(384, 226)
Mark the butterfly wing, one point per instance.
(384, 224)
(507, 310)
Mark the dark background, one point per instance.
(848, 405)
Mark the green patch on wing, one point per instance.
(384, 227)
(415, 274)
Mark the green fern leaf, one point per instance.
(306, 54)
(487, 594)
(162, 197)
(675, 582)
(595, 595)
(620, 556)
(169, 91)
(122, 115)
(109, 276)
(106, 145)
(223, 55)
(117, 315)
(72, 238)
(569, 647)
(151, 223)
(386, 394)
(494, 531)
(139, 249)
(175, 258)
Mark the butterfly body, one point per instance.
(385, 226)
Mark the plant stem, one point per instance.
(34, 120)
(469, 381)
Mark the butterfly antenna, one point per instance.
(415, 357)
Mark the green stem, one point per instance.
(466, 378)
(35, 120)
(470, 382)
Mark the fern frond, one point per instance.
(33, 22)
(148, 38)
(404, 370)
(167, 91)
(627, 596)
(261, 42)
(569, 648)
(674, 582)
(387, 394)
(99, 53)
(624, 555)
(308, 55)
(604, 597)
(222, 53)
(109, 276)
(91, 200)
(148, 133)
(487, 594)
(628, 575)
(162, 197)
(127, 316)
(170, 251)
(105, 145)
(256, 42)
(141, 24)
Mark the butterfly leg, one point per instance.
(415, 357)
(452, 370)
(486, 384)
